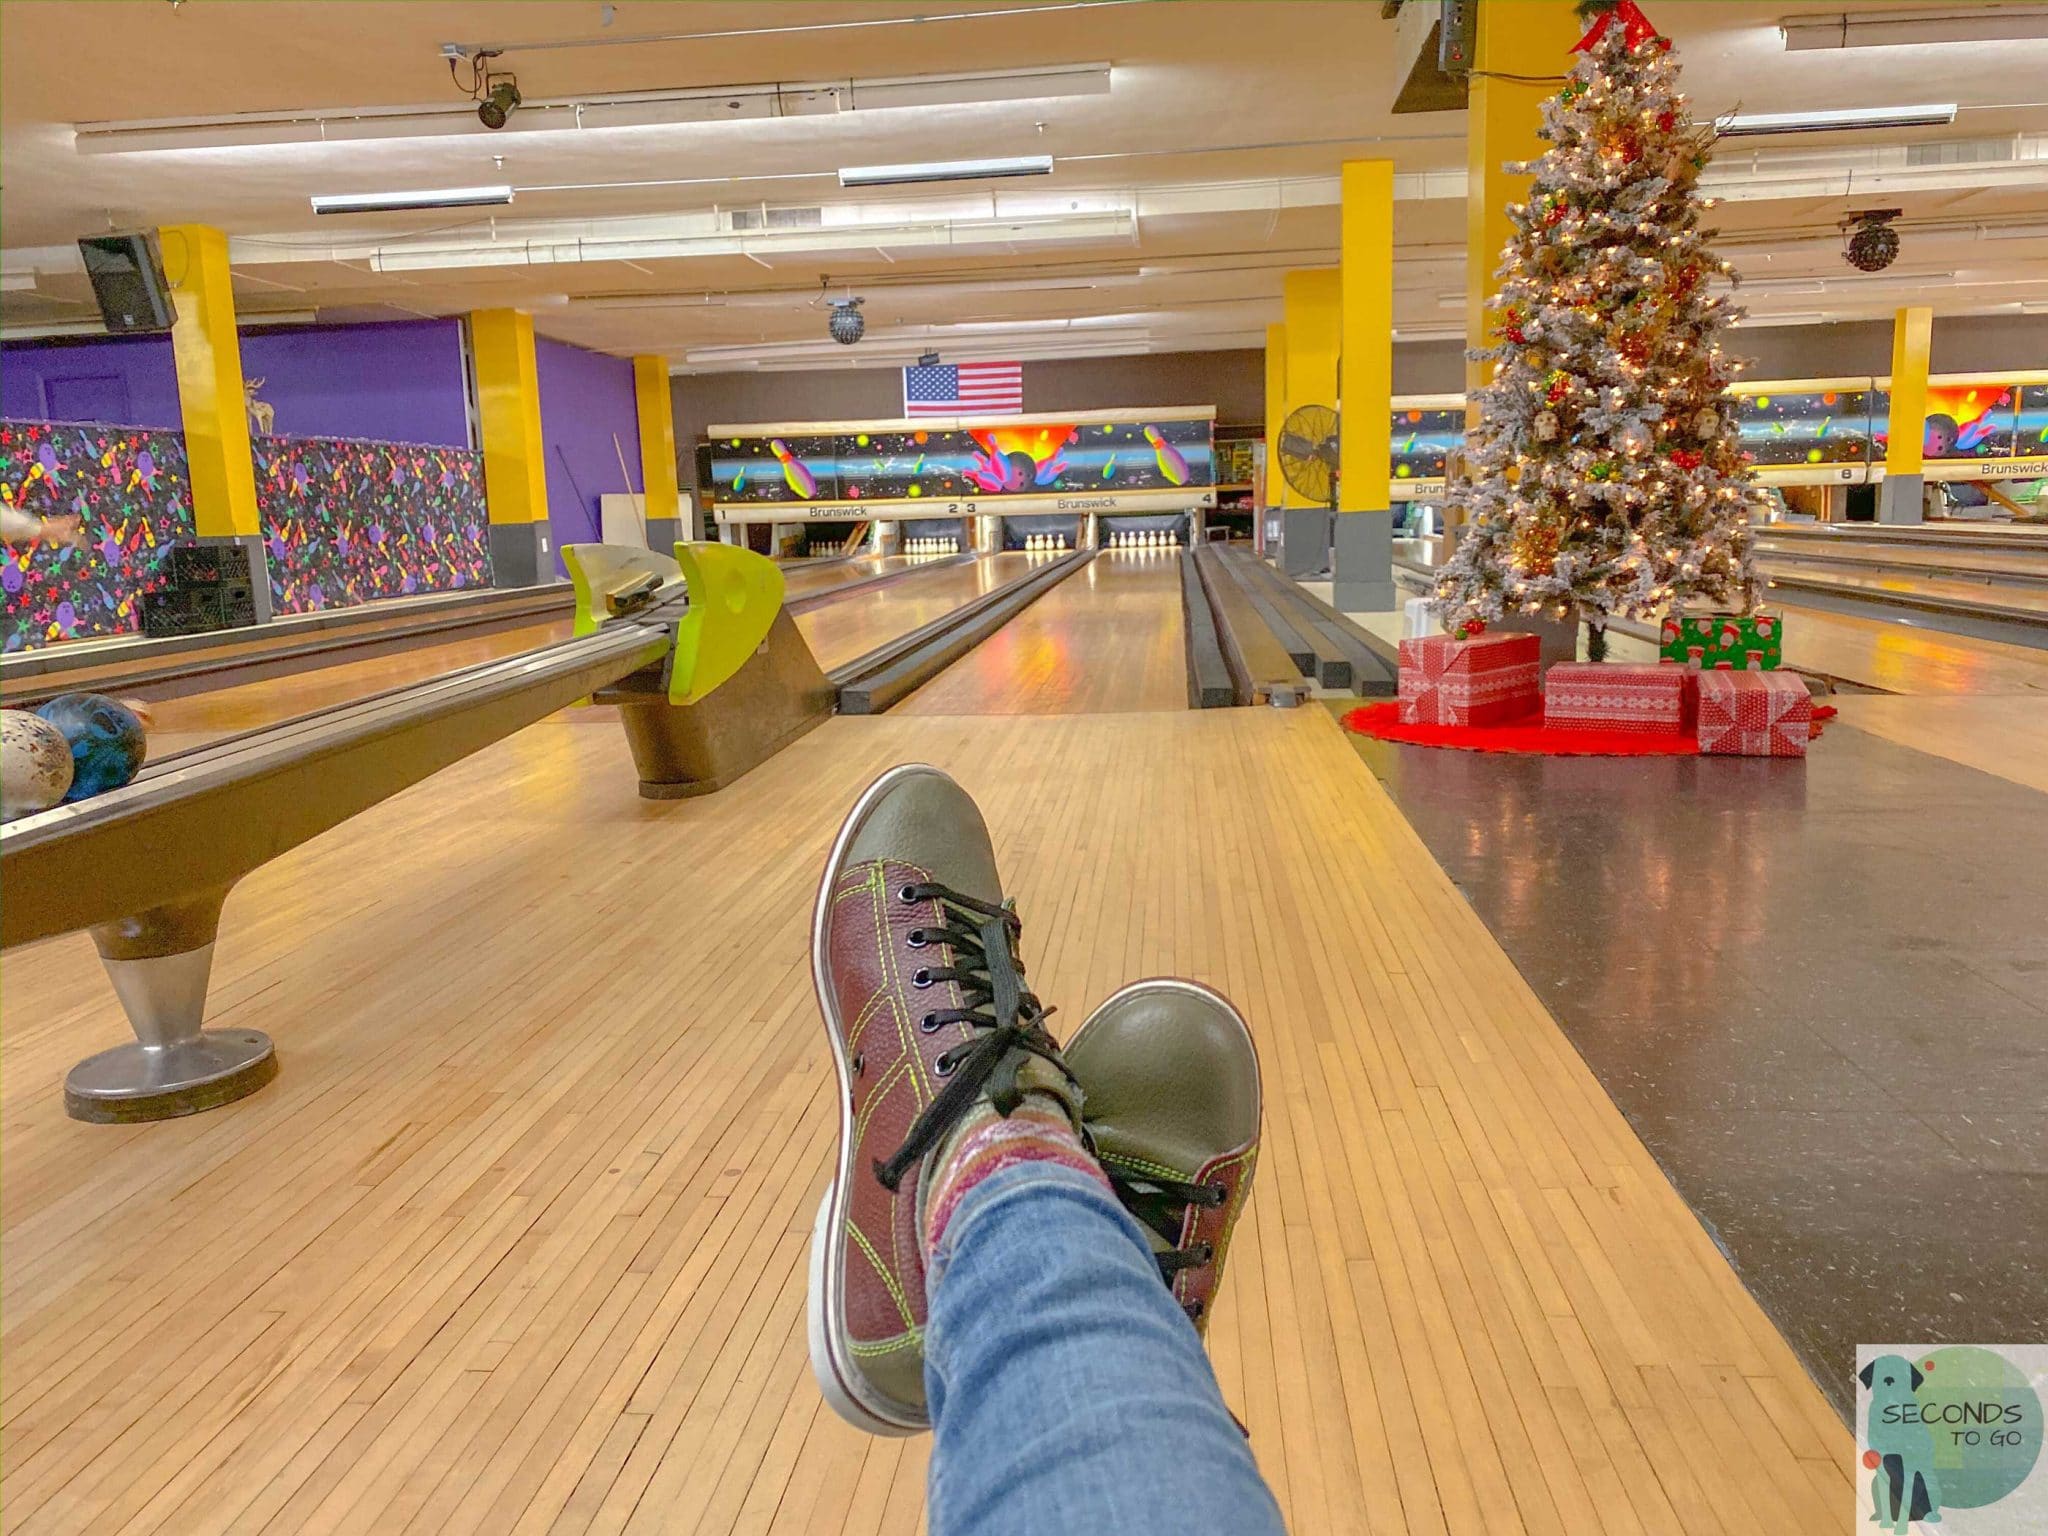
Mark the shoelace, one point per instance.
(1008, 1021)
(1162, 1205)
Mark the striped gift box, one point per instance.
(1619, 696)
(1754, 714)
(1487, 680)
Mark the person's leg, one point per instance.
(951, 1091)
(1069, 1392)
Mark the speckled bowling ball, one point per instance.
(35, 764)
(108, 742)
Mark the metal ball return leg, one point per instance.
(159, 963)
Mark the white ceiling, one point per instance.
(1179, 198)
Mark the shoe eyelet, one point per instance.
(1193, 1310)
(907, 894)
(916, 939)
(1202, 1255)
(860, 1064)
(943, 1067)
(929, 1024)
(1219, 1194)
(921, 979)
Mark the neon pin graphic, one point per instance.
(800, 479)
(1171, 464)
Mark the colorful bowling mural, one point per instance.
(131, 487)
(999, 459)
(1813, 426)
(348, 522)
(343, 522)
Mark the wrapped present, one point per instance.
(1754, 714)
(1487, 679)
(1654, 699)
(1707, 641)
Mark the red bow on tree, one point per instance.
(1635, 26)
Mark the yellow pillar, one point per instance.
(1276, 408)
(1368, 334)
(657, 451)
(515, 458)
(1899, 500)
(208, 354)
(1313, 303)
(1528, 38)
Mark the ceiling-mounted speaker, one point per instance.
(127, 273)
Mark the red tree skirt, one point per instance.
(1531, 735)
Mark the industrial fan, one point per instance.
(1308, 453)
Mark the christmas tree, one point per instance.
(1605, 472)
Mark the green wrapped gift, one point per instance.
(1709, 642)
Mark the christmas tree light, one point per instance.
(1606, 472)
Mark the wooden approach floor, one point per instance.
(515, 1243)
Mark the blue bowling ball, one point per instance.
(107, 741)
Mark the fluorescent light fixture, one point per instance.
(1947, 24)
(395, 202)
(943, 170)
(1839, 120)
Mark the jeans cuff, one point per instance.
(983, 1198)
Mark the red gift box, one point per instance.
(1487, 680)
(1619, 696)
(1754, 714)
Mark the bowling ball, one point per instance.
(107, 742)
(35, 764)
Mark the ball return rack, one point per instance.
(711, 677)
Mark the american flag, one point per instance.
(963, 389)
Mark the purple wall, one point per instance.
(585, 397)
(127, 382)
(401, 383)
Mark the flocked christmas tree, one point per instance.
(1605, 472)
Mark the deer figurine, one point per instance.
(262, 414)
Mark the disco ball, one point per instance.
(847, 325)
(1873, 246)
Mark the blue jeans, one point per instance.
(1069, 1393)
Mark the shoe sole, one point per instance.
(838, 1377)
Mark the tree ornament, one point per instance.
(1545, 426)
(1687, 458)
(1707, 422)
(1534, 549)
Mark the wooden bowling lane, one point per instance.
(841, 631)
(193, 719)
(1105, 641)
(516, 1241)
(809, 578)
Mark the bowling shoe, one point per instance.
(914, 957)
(1172, 1112)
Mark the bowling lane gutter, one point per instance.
(870, 684)
(812, 600)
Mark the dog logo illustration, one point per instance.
(1951, 1437)
(1898, 1446)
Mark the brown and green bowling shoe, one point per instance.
(914, 956)
(1173, 1104)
